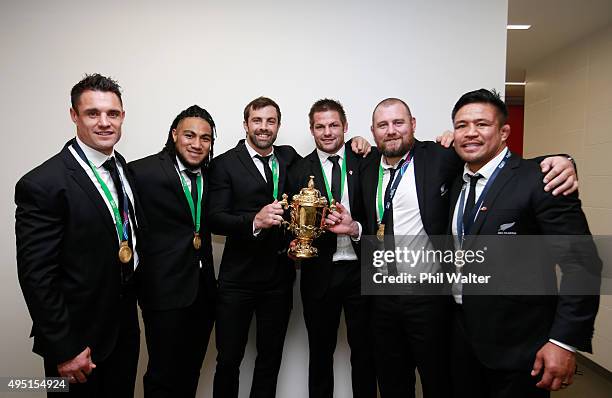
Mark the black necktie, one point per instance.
(265, 160)
(111, 166)
(336, 178)
(470, 202)
(388, 213)
(388, 219)
(194, 187)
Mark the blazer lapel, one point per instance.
(369, 187)
(352, 164)
(282, 170)
(248, 163)
(505, 175)
(317, 172)
(454, 197)
(173, 178)
(83, 180)
(419, 159)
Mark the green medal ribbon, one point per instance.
(109, 197)
(275, 177)
(195, 211)
(342, 179)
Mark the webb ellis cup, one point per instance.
(308, 212)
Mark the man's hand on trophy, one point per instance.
(340, 222)
(269, 216)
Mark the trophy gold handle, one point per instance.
(285, 205)
(326, 211)
(283, 202)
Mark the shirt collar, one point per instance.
(324, 156)
(182, 167)
(95, 157)
(487, 170)
(253, 152)
(385, 166)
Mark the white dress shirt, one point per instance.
(486, 172)
(98, 159)
(407, 223)
(260, 167)
(344, 248)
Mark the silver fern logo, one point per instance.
(503, 229)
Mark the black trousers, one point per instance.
(115, 375)
(471, 379)
(412, 331)
(234, 310)
(177, 340)
(322, 318)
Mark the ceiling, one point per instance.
(554, 25)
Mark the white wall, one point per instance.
(568, 109)
(220, 55)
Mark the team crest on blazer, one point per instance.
(503, 229)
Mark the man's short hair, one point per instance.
(388, 102)
(483, 96)
(192, 111)
(324, 105)
(94, 82)
(258, 103)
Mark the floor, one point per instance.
(592, 382)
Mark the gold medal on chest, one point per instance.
(125, 253)
(380, 233)
(197, 241)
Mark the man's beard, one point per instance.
(397, 152)
(262, 145)
(188, 165)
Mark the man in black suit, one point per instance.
(405, 194)
(255, 276)
(511, 346)
(177, 284)
(331, 282)
(76, 250)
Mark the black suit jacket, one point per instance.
(169, 277)
(316, 271)
(435, 168)
(67, 259)
(237, 191)
(507, 331)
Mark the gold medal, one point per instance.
(380, 234)
(125, 253)
(197, 241)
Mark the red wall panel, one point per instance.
(516, 115)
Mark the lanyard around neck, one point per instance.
(461, 230)
(121, 225)
(395, 183)
(196, 209)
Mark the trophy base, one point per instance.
(303, 251)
